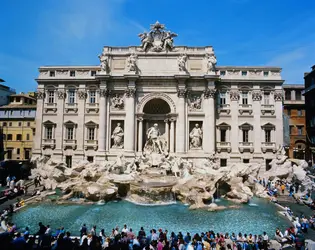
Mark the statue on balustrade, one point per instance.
(118, 137)
(154, 143)
(196, 137)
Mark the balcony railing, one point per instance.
(267, 108)
(268, 146)
(246, 146)
(48, 143)
(224, 108)
(71, 107)
(91, 144)
(245, 108)
(92, 107)
(223, 146)
(50, 107)
(70, 143)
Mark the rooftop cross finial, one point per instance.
(157, 26)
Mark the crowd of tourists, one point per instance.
(127, 239)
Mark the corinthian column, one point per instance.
(167, 134)
(130, 118)
(180, 124)
(172, 136)
(209, 139)
(140, 134)
(102, 122)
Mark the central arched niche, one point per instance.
(156, 106)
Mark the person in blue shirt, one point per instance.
(187, 238)
(19, 242)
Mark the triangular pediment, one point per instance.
(91, 123)
(246, 126)
(268, 125)
(48, 122)
(223, 124)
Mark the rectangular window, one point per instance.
(19, 137)
(291, 129)
(223, 135)
(28, 124)
(69, 161)
(93, 73)
(20, 124)
(245, 160)
(69, 133)
(9, 153)
(9, 137)
(71, 96)
(244, 98)
(92, 96)
(90, 159)
(244, 73)
(288, 95)
(222, 98)
(91, 133)
(26, 154)
(10, 124)
(223, 162)
(4, 124)
(17, 151)
(267, 135)
(298, 95)
(28, 137)
(300, 130)
(266, 98)
(51, 96)
(245, 135)
(72, 73)
(266, 73)
(222, 73)
(51, 73)
(48, 133)
(299, 112)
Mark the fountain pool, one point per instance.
(177, 217)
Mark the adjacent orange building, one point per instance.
(294, 108)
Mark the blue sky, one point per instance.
(72, 32)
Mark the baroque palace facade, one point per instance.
(159, 98)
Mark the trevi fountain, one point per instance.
(156, 145)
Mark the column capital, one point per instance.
(209, 93)
(140, 119)
(166, 120)
(256, 95)
(278, 96)
(130, 92)
(234, 95)
(181, 92)
(40, 94)
(104, 92)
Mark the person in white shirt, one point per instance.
(125, 229)
(265, 240)
(48, 230)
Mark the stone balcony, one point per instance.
(268, 146)
(91, 144)
(224, 146)
(49, 143)
(71, 107)
(50, 107)
(246, 147)
(92, 108)
(70, 144)
(224, 109)
(245, 109)
(267, 108)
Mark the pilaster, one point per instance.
(130, 92)
(82, 95)
(278, 98)
(234, 99)
(103, 91)
(40, 95)
(256, 100)
(59, 130)
(209, 138)
(182, 115)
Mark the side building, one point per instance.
(309, 93)
(294, 108)
(17, 122)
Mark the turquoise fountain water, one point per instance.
(254, 218)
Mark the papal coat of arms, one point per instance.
(158, 39)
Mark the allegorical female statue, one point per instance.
(118, 137)
(196, 137)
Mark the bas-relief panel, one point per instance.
(118, 64)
